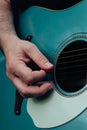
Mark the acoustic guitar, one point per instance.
(61, 35)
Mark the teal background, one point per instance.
(66, 23)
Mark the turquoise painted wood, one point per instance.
(51, 31)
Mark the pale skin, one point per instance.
(20, 52)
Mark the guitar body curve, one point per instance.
(52, 32)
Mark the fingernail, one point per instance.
(48, 64)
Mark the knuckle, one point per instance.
(31, 47)
(9, 67)
(42, 58)
(8, 70)
(9, 76)
(29, 79)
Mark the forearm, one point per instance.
(6, 23)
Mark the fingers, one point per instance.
(22, 75)
(27, 75)
(31, 90)
(34, 53)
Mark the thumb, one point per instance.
(37, 57)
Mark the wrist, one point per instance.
(6, 41)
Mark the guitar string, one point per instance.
(73, 61)
(82, 65)
(71, 72)
(64, 57)
(65, 52)
(77, 77)
(72, 56)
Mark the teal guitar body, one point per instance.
(61, 35)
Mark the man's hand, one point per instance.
(18, 55)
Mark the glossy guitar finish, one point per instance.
(52, 31)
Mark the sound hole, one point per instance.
(71, 67)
